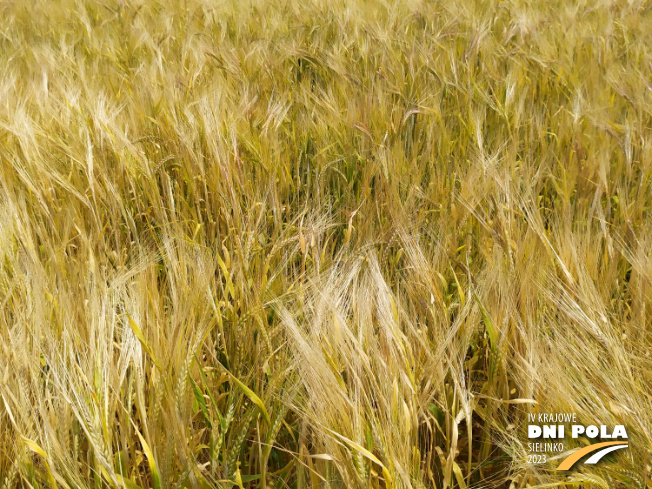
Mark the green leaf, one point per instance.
(156, 479)
(251, 395)
(202, 403)
(488, 324)
(128, 483)
(141, 337)
(38, 450)
(459, 476)
(210, 395)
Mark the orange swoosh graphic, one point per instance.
(571, 459)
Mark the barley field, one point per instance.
(322, 244)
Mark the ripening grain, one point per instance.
(322, 244)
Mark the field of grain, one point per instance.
(324, 244)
